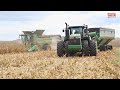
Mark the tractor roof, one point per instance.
(75, 26)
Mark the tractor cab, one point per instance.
(75, 31)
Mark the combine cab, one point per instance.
(34, 40)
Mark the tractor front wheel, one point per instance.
(85, 48)
(93, 48)
(60, 48)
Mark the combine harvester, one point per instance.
(84, 40)
(34, 40)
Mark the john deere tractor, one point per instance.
(80, 39)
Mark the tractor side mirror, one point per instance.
(85, 30)
(63, 30)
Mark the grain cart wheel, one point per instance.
(111, 47)
(103, 48)
(100, 48)
(60, 48)
(85, 48)
(93, 48)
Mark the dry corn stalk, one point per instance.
(11, 47)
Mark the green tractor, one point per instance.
(80, 39)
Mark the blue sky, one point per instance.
(12, 23)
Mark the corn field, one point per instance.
(11, 47)
(15, 63)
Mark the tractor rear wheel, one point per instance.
(93, 48)
(60, 47)
(85, 48)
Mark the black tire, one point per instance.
(110, 47)
(93, 48)
(66, 49)
(60, 47)
(85, 49)
(100, 48)
(103, 48)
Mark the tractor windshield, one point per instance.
(76, 31)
